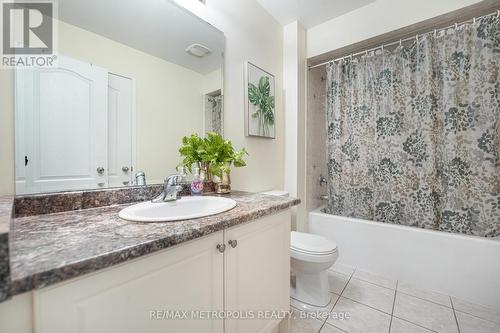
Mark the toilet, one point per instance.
(311, 256)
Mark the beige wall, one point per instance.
(169, 101)
(253, 35)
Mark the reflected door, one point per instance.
(120, 127)
(63, 132)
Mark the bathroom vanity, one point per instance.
(87, 270)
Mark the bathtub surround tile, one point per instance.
(476, 310)
(370, 294)
(472, 324)
(343, 269)
(316, 137)
(311, 308)
(362, 319)
(375, 279)
(427, 314)
(403, 326)
(337, 281)
(413, 290)
(50, 248)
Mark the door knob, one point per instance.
(221, 247)
(125, 168)
(233, 243)
(100, 170)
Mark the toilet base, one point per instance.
(312, 288)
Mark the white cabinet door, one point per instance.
(121, 299)
(120, 120)
(61, 122)
(257, 271)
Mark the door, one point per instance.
(120, 125)
(146, 295)
(257, 271)
(63, 133)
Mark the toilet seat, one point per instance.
(310, 244)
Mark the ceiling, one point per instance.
(310, 12)
(156, 27)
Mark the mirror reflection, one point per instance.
(125, 91)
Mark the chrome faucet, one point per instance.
(322, 180)
(171, 189)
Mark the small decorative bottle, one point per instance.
(196, 183)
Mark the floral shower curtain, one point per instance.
(413, 134)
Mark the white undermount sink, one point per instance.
(183, 209)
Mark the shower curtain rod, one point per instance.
(456, 25)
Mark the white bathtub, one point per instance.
(466, 267)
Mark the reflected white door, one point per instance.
(63, 135)
(120, 118)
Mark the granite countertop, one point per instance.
(50, 248)
(5, 213)
(6, 203)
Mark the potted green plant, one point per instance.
(221, 155)
(192, 150)
(213, 154)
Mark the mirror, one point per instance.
(127, 87)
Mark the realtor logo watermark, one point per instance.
(28, 33)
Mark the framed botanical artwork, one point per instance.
(259, 102)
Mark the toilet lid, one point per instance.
(310, 243)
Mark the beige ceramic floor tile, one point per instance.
(402, 326)
(471, 324)
(306, 307)
(337, 282)
(370, 294)
(424, 313)
(301, 324)
(411, 289)
(476, 310)
(327, 328)
(359, 318)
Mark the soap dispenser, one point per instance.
(197, 182)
